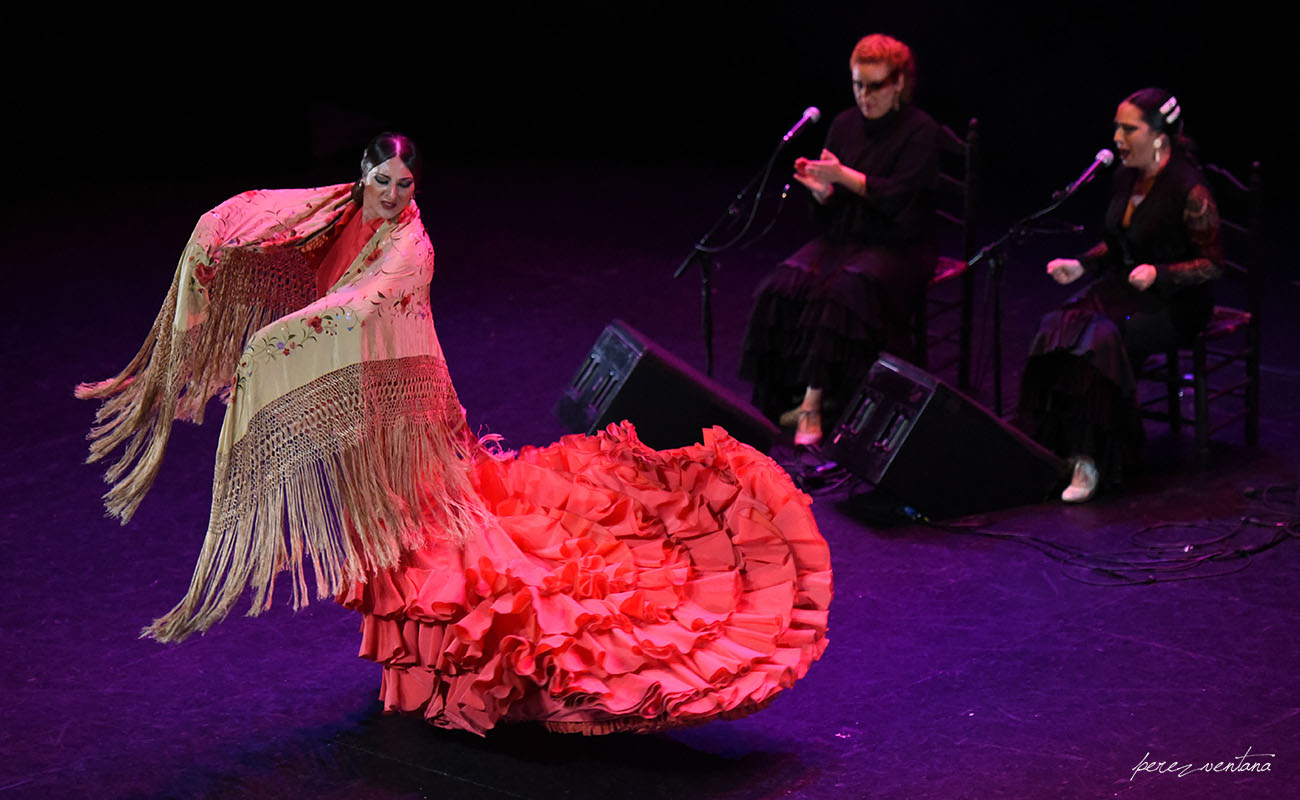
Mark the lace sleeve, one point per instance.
(1201, 220)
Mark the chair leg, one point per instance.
(921, 332)
(1252, 389)
(1202, 401)
(967, 323)
(1173, 383)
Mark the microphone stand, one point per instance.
(995, 253)
(703, 252)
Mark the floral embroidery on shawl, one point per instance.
(343, 440)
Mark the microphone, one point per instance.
(1104, 158)
(811, 115)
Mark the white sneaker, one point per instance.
(1084, 483)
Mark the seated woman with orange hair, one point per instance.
(822, 318)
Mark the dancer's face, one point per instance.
(387, 189)
(876, 88)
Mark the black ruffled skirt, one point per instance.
(824, 316)
(1078, 394)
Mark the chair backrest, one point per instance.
(1239, 218)
(1207, 368)
(955, 207)
(958, 159)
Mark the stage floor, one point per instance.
(989, 659)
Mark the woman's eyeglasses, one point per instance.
(875, 86)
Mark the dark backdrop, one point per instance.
(245, 100)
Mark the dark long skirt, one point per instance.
(822, 318)
(1078, 395)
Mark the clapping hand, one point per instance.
(819, 175)
(1142, 276)
(1065, 270)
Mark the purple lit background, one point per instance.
(573, 158)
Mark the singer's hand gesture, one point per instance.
(1065, 270)
(1142, 276)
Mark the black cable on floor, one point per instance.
(1224, 549)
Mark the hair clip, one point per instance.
(1170, 109)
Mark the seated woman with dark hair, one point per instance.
(823, 317)
(1154, 269)
(595, 584)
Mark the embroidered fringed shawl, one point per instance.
(343, 442)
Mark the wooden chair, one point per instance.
(1222, 363)
(946, 321)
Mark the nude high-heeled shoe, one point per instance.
(809, 430)
(790, 419)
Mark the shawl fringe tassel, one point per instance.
(351, 485)
(177, 371)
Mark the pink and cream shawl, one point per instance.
(343, 442)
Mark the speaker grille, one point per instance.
(626, 376)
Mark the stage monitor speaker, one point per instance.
(932, 447)
(627, 376)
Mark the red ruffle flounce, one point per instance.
(623, 588)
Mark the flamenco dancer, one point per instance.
(594, 585)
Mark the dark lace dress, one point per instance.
(1077, 396)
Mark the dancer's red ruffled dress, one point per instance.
(594, 585)
(624, 589)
